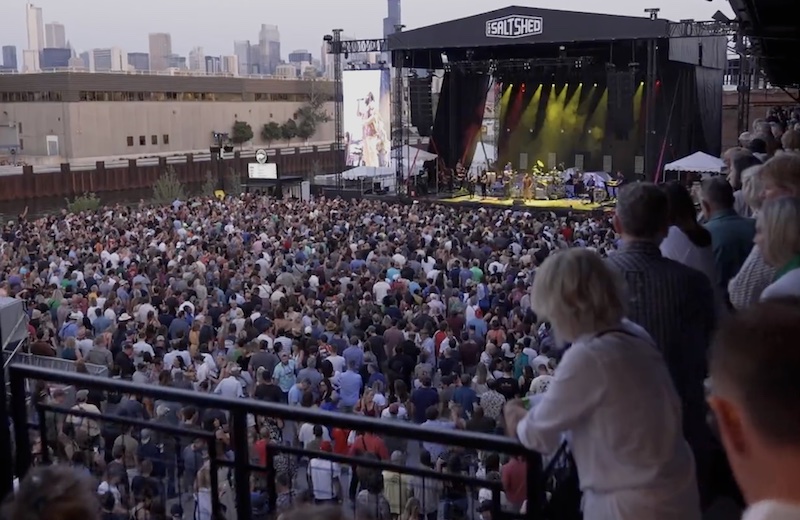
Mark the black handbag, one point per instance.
(563, 486)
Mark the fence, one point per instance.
(239, 414)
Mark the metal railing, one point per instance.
(239, 465)
(169, 72)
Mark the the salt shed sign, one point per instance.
(514, 26)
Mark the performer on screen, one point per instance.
(373, 130)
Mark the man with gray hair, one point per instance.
(673, 302)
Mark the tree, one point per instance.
(271, 132)
(310, 116)
(209, 185)
(289, 131)
(242, 132)
(168, 188)
(305, 129)
(85, 202)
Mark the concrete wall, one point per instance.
(99, 129)
(38, 121)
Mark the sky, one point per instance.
(214, 25)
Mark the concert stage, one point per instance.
(556, 206)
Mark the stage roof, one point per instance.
(527, 25)
(775, 34)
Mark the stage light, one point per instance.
(658, 83)
(595, 85)
(553, 85)
(562, 130)
(641, 83)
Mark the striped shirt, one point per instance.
(675, 304)
(755, 275)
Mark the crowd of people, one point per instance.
(494, 321)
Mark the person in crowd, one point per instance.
(672, 302)
(778, 238)
(731, 234)
(54, 493)
(626, 435)
(688, 242)
(754, 388)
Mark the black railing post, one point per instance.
(536, 485)
(6, 448)
(42, 415)
(19, 414)
(272, 488)
(214, 470)
(241, 457)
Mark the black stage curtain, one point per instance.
(459, 117)
(708, 83)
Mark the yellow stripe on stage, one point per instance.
(566, 204)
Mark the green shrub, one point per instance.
(233, 183)
(209, 185)
(85, 202)
(168, 188)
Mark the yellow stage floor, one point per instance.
(562, 204)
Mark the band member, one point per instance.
(527, 186)
(483, 180)
(590, 184)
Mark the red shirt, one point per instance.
(369, 443)
(261, 451)
(514, 475)
(339, 438)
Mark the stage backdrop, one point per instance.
(367, 117)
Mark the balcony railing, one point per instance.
(235, 465)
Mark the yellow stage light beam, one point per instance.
(550, 136)
(596, 126)
(569, 121)
(583, 112)
(638, 97)
(504, 99)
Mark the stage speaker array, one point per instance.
(621, 91)
(421, 98)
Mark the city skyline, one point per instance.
(217, 34)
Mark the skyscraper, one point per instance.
(55, 36)
(393, 19)
(213, 64)
(10, 57)
(197, 59)
(139, 60)
(269, 43)
(241, 49)
(33, 18)
(230, 64)
(112, 59)
(160, 50)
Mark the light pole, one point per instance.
(221, 146)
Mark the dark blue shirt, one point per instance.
(422, 399)
(465, 397)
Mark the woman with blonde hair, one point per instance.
(778, 177)
(778, 237)
(613, 394)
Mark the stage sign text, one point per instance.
(514, 27)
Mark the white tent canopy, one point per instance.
(699, 162)
(413, 159)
